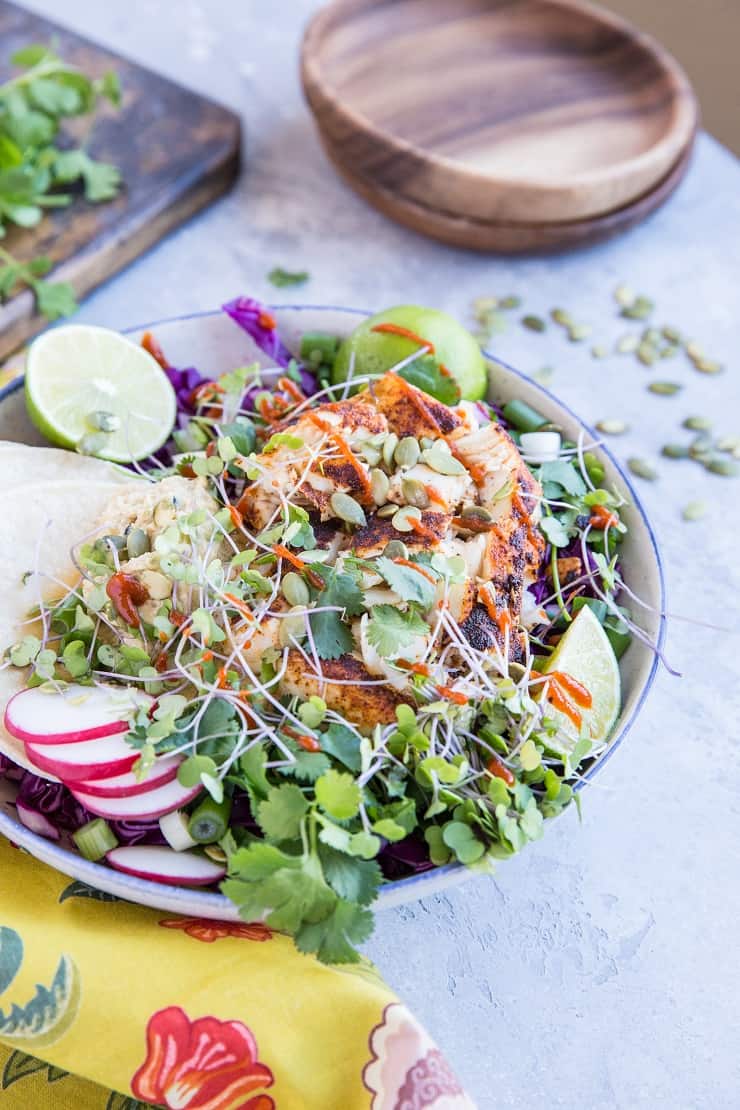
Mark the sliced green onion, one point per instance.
(318, 347)
(95, 839)
(523, 416)
(210, 821)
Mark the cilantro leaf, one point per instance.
(555, 531)
(426, 373)
(332, 636)
(54, 298)
(409, 584)
(306, 766)
(338, 794)
(357, 880)
(564, 474)
(343, 744)
(282, 812)
(333, 937)
(281, 278)
(390, 630)
(283, 890)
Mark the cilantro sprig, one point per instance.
(36, 164)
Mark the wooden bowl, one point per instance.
(529, 111)
(511, 238)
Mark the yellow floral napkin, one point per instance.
(109, 1006)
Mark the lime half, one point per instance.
(92, 387)
(586, 655)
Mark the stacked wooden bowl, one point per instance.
(499, 125)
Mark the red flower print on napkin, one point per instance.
(205, 1064)
(201, 928)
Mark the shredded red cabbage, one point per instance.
(53, 801)
(258, 322)
(407, 857)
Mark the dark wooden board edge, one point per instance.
(113, 248)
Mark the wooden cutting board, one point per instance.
(177, 152)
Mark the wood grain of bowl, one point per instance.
(497, 110)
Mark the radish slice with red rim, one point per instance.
(163, 865)
(128, 785)
(73, 714)
(139, 807)
(86, 760)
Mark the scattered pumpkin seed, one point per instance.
(402, 518)
(646, 354)
(612, 427)
(346, 508)
(642, 469)
(728, 443)
(534, 323)
(387, 510)
(292, 626)
(389, 448)
(294, 589)
(701, 448)
(560, 316)
(396, 549)
(578, 332)
(725, 467)
(425, 442)
(628, 344)
(442, 460)
(694, 351)
(482, 305)
(639, 309)
(407, 452)
(670, 351)
(477, 512)
(215, 852)
(624, 296)
(543, 375)
(675, 451)
(599, 352)
(511, 302)
(665, 389)
(380, 484)
(695, 510)
(414, 493)
(707, 366)
(652, 336)
(697, 424)
(137, 543)
(370, 454)
(673, 335)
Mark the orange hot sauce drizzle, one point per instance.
(499, 770)
(345, 450)
(150, 344)
(601, 518)
(418, 401)
(282, 552)
(415, 566)
(436, 497)
(126, 592)
(291, 389)
(577, 692)
(406, 333)
(421, 529)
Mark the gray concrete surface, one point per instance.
(600, 969)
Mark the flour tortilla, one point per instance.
(41, 522)
(22, 465)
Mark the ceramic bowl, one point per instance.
(214, 344)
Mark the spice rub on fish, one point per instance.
(435, 531)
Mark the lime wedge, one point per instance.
(93, 385)
(586, 655)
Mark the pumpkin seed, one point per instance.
(728, 444)
(402, 518)
(292, 626)
(639, 309)
(387, 510)
(215, 852)
(483, 305)
(612, 427)
(624, 296)
(534, 323)
(628, 344)
(476, 512)
(697, 424)
(673, 335)
(669, 352)
(560, 316)
(388, 449)
(414, 493)
(701, 448)
(370, 454)
(599, 352)
(706, 366)
(695, 510)
(725, 467)
(380, 485)
(442, 460)
(579, 332)
(294, 589)
(651, 336)
(137, 543)
(675, 451)
(642, 469)
(646, 354)
(118, 542)
(396, 549)
(694, 351)
(426, 442)
(347, 509)
(543, 375)
(407, 452)
(511, 302)
(665, 389)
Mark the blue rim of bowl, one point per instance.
(189, 895)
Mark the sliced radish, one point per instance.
(86, 760)
(162, 865)
(139, 807)
(36, 821)
(174, 828)
(74, 714)
(127, 785)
